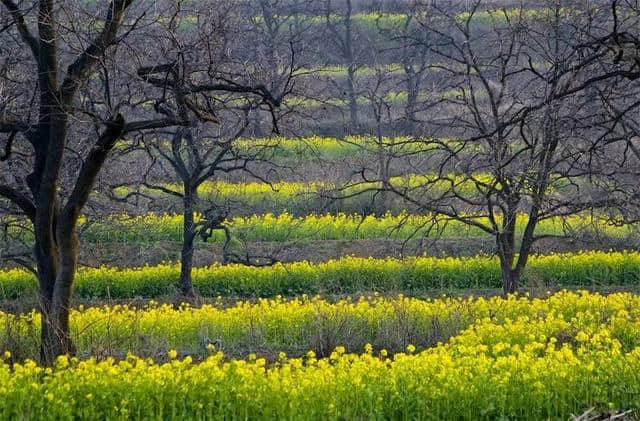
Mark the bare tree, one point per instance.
(343, 31)
(408, 43)
(62, 114)
(525, 110)
(213, 89)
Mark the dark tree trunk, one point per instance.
(56, 272)
(383, 170)
(351, 70)
(412, 85)
(55, 339)
(353, 98)
(506, 252)
(510, 280)
(189, 233)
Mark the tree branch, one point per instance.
(151, 124)
(18, 18)
(19, 199)
(7, 147)
(92, 165)
(83, 65)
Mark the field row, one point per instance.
(289, 150)
(283, 192)
(378, 21)
(317, 147)
(391, 98)
(348, 196)
(518, 358)
(397, 21)
(286, 227)
(295, 326)
(307, 197)
(289, 228)
(344, 276)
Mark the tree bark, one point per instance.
(412, 98)
(56, 274)
(55, 338)
(189, 232)
(351, 69)
(510, 280)
(353, 98)
(506, 252)
(383, 169)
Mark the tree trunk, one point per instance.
(505, 242)
(55, 248)
(510, 280)
(189, 234)
(412, 98)
(56, 273)
(55, 339)
(353, 98)
(383, 174)
(351, 70)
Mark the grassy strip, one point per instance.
(334, 148)
(266, 326)
(315, 147)
(310, 197)
(304, 198)
(286, 227)
(270, 326)
(391, 97)
(343, 276)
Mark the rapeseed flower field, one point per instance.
(346, 275)
(512, 357)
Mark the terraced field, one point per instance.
(303, 210)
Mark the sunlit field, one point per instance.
(319, 210)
